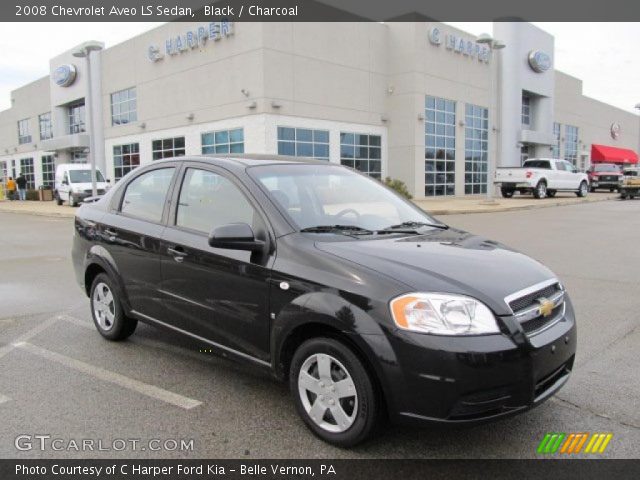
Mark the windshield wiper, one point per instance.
(351, 229)
(411, 227)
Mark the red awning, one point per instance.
(605, 154)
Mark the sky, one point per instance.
(604, 55)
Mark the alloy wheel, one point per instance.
(328, 393)
(104, 308)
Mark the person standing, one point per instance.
(11, 188)
(22, 187)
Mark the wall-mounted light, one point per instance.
(421, 117)
(462, 123)
(275, 104)
(252, 105)
(245, 92)
(143, 125)
(384, 118)
(191, 116)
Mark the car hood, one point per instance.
(88, 185)
(451, 261)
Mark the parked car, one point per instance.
(543, 177)
(325, 278)
(604, 175)
(629, 185)
(73, 183)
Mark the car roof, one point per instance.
(247, 159)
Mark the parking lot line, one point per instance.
(25, 337)
(111, 377)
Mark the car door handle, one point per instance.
(112, 234)
(177, 253)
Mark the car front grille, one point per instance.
(527, 308)
(608, 178)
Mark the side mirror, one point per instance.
(64, 182)
(235, 236)
(108, 180)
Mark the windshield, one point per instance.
(606, 168)
(325, 195)
(84, 176)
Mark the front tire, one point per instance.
(58, 199)
(541, 189)
(106, 310)
(333, 392)
(582, 190)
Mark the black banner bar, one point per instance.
(317, 10)
(318, 469)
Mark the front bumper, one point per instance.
(480, 378)
(604, 184)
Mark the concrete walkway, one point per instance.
(438, 206)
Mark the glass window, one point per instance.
(167, 148)
(204, 202)
(526, 109)
(126, 158)
(23, 131)
(571, 144)
(124, 107)
(303, 142)
(476, 149)
(46, 130)
(145, 196)
(362, 152)
(524, 154)
(555, 149)
(76, 113)
(48, 170)
(26, 168)
(440, 147)
(223, 141)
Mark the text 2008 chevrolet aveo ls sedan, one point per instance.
(366, 305)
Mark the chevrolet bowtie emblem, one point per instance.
(546, 306)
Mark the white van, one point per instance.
(73, 183)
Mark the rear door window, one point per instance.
(146, 195)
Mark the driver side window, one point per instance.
(208, 200)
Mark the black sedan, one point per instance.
(367, 306)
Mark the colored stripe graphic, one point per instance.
(572, 443)
(551, 442)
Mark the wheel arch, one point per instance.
(96, 264)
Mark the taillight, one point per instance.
(528, 174)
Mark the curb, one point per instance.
(542, 204)
(435, 211)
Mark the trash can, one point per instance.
(45, 194)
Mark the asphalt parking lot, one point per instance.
(60, 378)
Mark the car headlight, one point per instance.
(442, 314)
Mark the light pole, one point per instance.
(493, 44)
(84, 51)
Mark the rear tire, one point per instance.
(106, 310)
(72, 202)
(541, 190)
(324, 372)
(507, 192)
(582, 189)
(551, 193)
(623, 196)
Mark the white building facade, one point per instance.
(420, 102)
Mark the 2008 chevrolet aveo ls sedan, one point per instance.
(367, 306)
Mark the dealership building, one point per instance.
(421, 102)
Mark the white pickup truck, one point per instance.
(543, 177)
